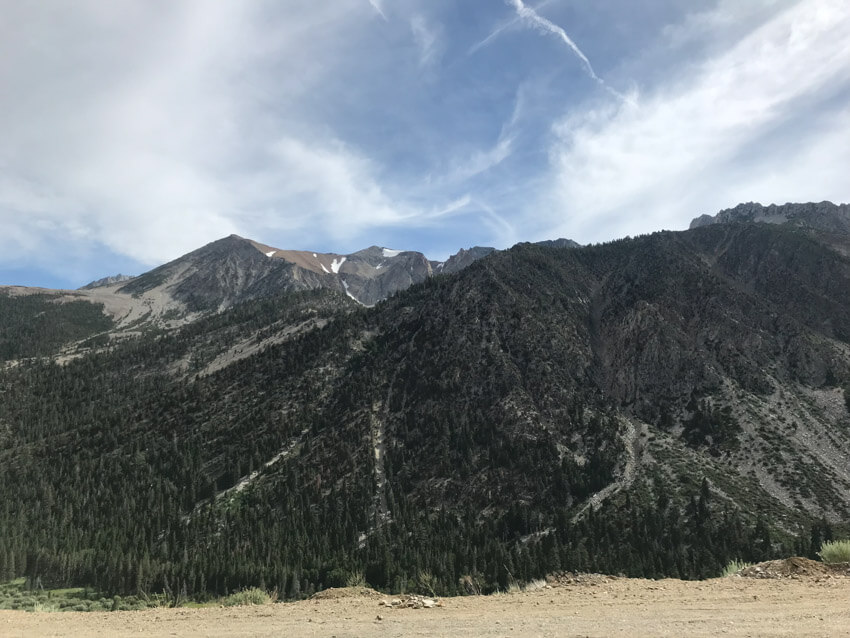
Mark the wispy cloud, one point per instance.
(323, 180)
(481, 161)
(501, 29)
(715, 137)
(530, 17)
(492, 36)
(500, 226)
(376, 5)
(149, 134)
(428, 40)
(536, 21)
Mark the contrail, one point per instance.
(536, 21)
(377, 8)
(542, 24)
(489, 38)
(500, 29)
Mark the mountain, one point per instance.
(462, 259)
(653, 406)
(106, 281)
(558, 243)
(825, 216)
(233, 270)
(215, 277)
(829, 222)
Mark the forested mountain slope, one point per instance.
(829, 222)
(654, 406)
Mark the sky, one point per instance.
(135, 131)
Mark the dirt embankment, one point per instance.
(794, 600)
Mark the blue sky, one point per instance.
(132, 132)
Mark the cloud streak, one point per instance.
(536, 21)
(427, 38)
(501, 29)
(377, 7)
(530, 17)
(719, 135)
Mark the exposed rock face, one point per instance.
(824, 216)
(235, 269)
(107, 281)
(462, 259)
(375, 273)
(828, 222)
(558, 243)
(223, 273)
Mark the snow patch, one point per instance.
(345, 285)
(388, 252)
(315, 256)
(325, 269)
(270, 253)
(335, 265)
(379, 266)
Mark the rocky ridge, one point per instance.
(829, 222)
(107, 281)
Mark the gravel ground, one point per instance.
(796, 605)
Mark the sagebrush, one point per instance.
(733, 567)
(251, 596)
(835, 552)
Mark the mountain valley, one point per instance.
(248, 416)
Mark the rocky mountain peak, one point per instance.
(822, 216)
(561, 242)
(107, 281)
(828, 222)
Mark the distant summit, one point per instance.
(462, 259)
(824, 216)
(828, 222)
(558, 243)
(107, 281)
(236, 269)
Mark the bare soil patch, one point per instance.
(802, 604)
(795, 567)
(334, 593)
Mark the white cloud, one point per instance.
(329, 179)
(533, 19)
(503, 231)
(625, 169)
(722, 22)
(141, 126)
(481, 161)
(376, 5)
(504, 27)
(536, 21)
(428, 40)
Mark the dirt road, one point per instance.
(601, 607)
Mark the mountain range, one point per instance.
(655, 406)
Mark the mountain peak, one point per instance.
(107, 281)
(822, 216)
